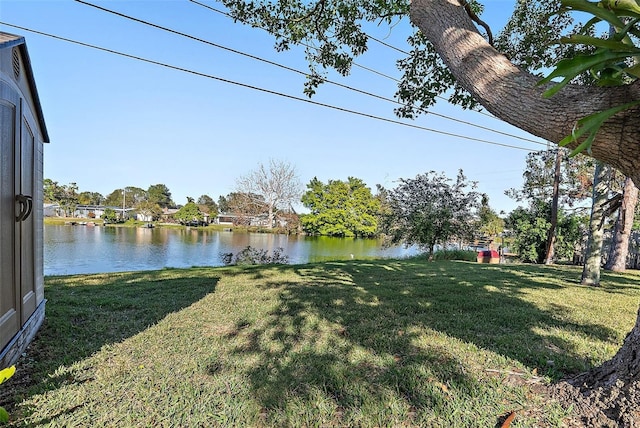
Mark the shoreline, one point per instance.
(66, 221)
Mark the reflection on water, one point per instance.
(84, 249)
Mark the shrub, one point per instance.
(110, 215)
(255, 256)
(465, 255)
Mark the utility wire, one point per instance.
(387, 44)
(228, 15)
(237, 52)
(379, 73)
(268, 91)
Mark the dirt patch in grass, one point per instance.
(616, 406)
(609, 394)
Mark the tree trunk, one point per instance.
(551, 235)
(270, 217)
(626, 362)
(512, 95)
(617, 260)
(432, 247)
(593, 258)
(607, 396)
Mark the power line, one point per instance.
(280, 94)
(423, 110)
(437, 96)
(298, 71)
(228, 15)
(379, 73)
(387, 44)
(237, 52)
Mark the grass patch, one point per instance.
(356, 343)
(61, 221)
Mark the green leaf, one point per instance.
(625, 7)
(591, 23)
(623, 34)
(569, 68)
(585, 145)
(613, 45)
(591, 124)
(4, 416)
(7, 373)
(594, 9)
(633, 71)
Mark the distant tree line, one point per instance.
(429, 210)
(267, 195)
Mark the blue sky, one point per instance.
(114, 121)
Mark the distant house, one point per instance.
(144, 217)
(124, 213)
(51, 210)
(260, 220)
(167, 215)
(89, 211)
(22, 134)
(224, 218)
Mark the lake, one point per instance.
(86, 249)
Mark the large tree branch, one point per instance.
(511, 94)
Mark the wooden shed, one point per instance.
(22, 134)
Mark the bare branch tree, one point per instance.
(275, 186)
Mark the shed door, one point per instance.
(25, 232)
(10, 298)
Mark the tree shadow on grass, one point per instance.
(341, 368)
(353, 343)
(86, 312)
(483, 305)
(623, 282)
(353, 332)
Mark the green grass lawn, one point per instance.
(358, 343)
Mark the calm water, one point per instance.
(82, 249)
